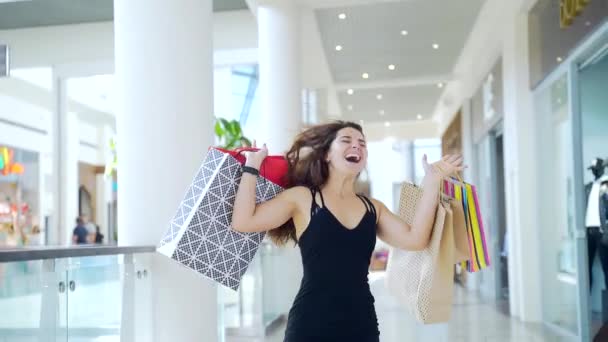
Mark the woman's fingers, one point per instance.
(454, 158)
(458, 161)
(425, 163)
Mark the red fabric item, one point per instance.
(274, 168)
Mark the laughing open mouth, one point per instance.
(353, 158)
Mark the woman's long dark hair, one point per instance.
(308, 167)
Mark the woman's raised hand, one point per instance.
(448, 166)
(255, 159)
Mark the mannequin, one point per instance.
(596, 219)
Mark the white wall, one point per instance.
(501, 29)
(23, 125)
(383, 178)
(315, 72)
(233, 30)
(69, 44)
(88, 143)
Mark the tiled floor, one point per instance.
(473, 320)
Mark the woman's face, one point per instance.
(348, 151)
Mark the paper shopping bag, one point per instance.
(200, 236)
(477, 240)
(461, 239)
(465, 196)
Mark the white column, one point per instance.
(164, 75)
(104, 185)
(281, 108)
(468, 149)
(520, 174)
(69, 174)
(65, 167)
(279, 58)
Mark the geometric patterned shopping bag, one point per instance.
(200, 236)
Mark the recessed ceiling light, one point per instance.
(379, 96)
(350, 91)
(338, 47)
(587, 23)
(435, 46)
(350, 107)
(440, 85)
(403, 32)
(391, 67)
(365, 75)
(419, 117)
(559, 59)
(387, 124)
(342, 16)
(381, 111)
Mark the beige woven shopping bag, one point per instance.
(423, 280)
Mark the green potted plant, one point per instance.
(230, 134)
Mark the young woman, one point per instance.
(334, 227)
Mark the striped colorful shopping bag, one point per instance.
(479, 258)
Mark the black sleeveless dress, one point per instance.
(334, 302)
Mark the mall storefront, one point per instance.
(19, 198)
(569, 80)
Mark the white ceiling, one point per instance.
(403, 103)
(371, 40)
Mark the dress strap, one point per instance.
(314, 207)
(322, 200)
(368, 204)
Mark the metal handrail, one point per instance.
(59, 252)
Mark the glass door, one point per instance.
(559, 249)
(491, 187)
(589, 81)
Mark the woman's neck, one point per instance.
(340, 185)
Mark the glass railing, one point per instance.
(48, 295)
(252, 312)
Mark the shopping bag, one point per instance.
(423, 280)
(479, 256)
(465, 196)
(200, 236)
(462, 250)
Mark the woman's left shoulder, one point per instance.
(378, 205)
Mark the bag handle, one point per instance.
(442, 193)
